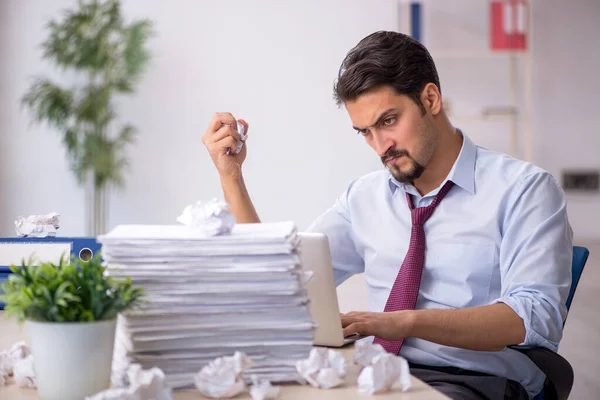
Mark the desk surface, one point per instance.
(11, 332)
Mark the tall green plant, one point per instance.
(108, 57)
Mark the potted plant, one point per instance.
(71, 311)
(104, 57)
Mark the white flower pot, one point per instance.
(72, 360)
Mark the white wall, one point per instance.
(270, 62)
(567, 83)
(273, 63)
(34, 177)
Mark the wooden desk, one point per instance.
(11, 332)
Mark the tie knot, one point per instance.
(421, 215)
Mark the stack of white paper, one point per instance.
(209, 297)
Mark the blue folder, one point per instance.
(15, 250)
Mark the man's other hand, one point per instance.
(394, 325)
(221, 135)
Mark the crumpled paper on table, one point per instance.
(262, 389)
(365, 352)
(381, 369)
(116, 394)
(211, 218)
(242, 131)
(151, 383)
(324, 368)
(9, 358)
(223, 377)
(37, 225)
(24, 373)
(145, 384)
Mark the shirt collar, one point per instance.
(462, 172)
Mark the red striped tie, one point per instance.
(406, 286)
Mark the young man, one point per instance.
(496, 269)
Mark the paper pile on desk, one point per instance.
(210, 297)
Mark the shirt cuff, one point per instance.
(523, 308)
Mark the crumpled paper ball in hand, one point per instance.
(145, 384)
(381, 369)
(242, 131)
(211, 218)
(223, 377)
(324, 368)
(37, 225)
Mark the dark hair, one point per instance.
(386, 59)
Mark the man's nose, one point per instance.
(382, 143)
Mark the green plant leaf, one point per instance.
(48, 102)
(91, 40)
(135, 55)
(68, 292)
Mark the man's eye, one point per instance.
(389, 121)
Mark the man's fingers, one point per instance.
(353, 316)
(355, 313)
(350, 330)
(222, 133)
(346, 320)
(227, 143)
(220, 118)
(356, 327)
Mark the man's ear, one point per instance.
(432, 98)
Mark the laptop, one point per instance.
(315, 256)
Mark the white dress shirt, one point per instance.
(500, 235)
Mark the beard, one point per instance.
(408, 176)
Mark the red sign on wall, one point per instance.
(508, 22)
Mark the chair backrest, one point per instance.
(580, 256)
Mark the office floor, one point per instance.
(581, 340)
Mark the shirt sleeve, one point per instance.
(535, 258)
(336, 224)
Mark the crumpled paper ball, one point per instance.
(130, 393)
(37, 225)
(381, 369)
(9, 358)
(151, 383)
(24, 373)
(324, 368)
(242, 131)
(223, 377)
(262, 389)
(145, 384)
(211, 218)
(365, 352)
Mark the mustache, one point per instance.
(393, 153)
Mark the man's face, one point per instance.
(394, 126)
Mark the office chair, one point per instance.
(559, 373)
